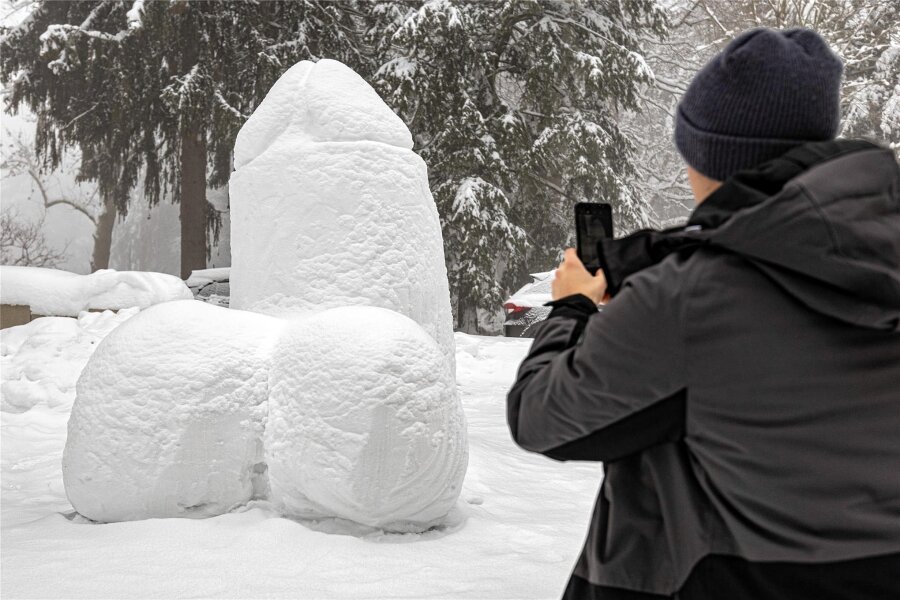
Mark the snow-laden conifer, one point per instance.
(515, 107)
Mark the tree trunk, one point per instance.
(193, 160)
(193, 201)
(103, 236)
(467, 315)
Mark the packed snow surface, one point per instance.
(169, 415)
(330, 206)
(518, 529)
(61, 293)
(369, 428)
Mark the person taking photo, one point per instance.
(742, 384)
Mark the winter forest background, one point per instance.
(120, 116)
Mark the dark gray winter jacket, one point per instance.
(742, 387)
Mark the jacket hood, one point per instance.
(822, 221)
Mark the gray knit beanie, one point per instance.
(765, 93)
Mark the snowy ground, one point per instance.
(518, 528)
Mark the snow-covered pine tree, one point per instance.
(438, 82)
(157, 91)
(870, 46)
(662, 179)
(514, 106)
(50, 79)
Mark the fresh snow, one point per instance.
(201, 277)
(134, 15)
(324, 101)
(349, 411)
(169, 415)
(65, 294)
(535, 294)
(190, 410)
(40, 362)
(515, 533)
(364, 421)
(327, 190)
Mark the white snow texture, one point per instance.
(190, 410)
(41, 360)
(169, 414)
(326, 176)
(52, 292)
(345, 405)
(372, 416)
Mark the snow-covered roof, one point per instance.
(65, 294)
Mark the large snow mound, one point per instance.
(65, 294)
(169, 415)
(364, 421)
(330, 207)
(40, 361)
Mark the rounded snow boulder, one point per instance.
(169, 415)
(330, 206)
(364, 421)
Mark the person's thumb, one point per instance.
(572, 257)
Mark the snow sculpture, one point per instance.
(350, 409)
(169, 415)
(331, 207)
(369, 428)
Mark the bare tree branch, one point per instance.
(23, 244)
(23, 160)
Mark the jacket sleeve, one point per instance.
(603, 385)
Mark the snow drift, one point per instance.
(331, 207)
(65, 294)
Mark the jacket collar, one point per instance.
(625, 256)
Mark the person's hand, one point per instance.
(573, 278)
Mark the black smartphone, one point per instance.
(593, 222)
